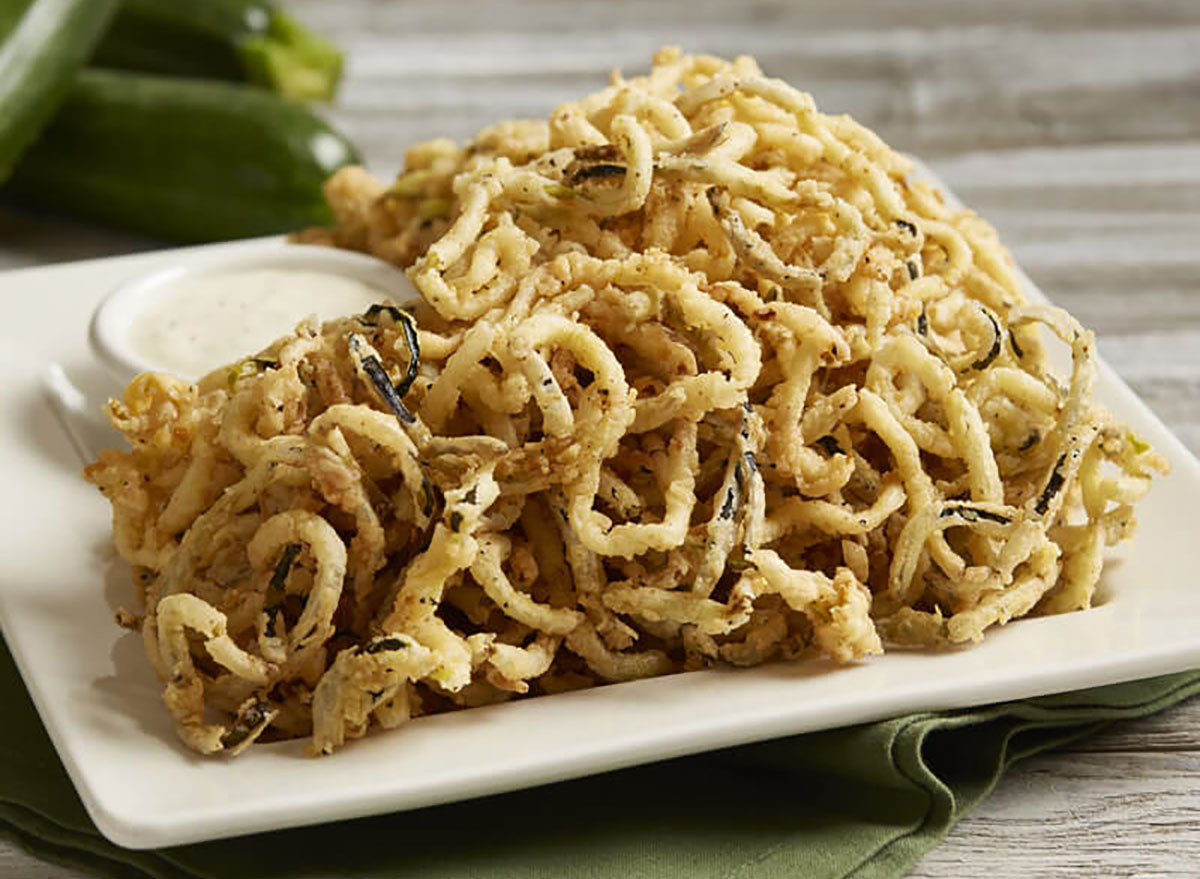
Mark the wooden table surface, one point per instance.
(1074, 126)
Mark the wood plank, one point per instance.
(538, 17)
(1079, 814)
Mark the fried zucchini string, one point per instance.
(697, 375)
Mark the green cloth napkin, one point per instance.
(864, 802)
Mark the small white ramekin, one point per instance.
(108, 333)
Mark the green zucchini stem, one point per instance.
(292, 60)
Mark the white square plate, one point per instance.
(100, 700)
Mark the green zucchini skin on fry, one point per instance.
(182, 160)
(232, 40)
(42, 45)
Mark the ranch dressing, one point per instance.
(206, 321)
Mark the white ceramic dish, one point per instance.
(112, 319)
(100, 701)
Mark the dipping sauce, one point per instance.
(208, 320)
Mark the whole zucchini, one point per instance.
(182, 160)
(42, 45)
(235, 40)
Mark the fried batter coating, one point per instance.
(698, 375)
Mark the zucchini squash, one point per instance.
(182, 160)
(43, 43)
(235, 40)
